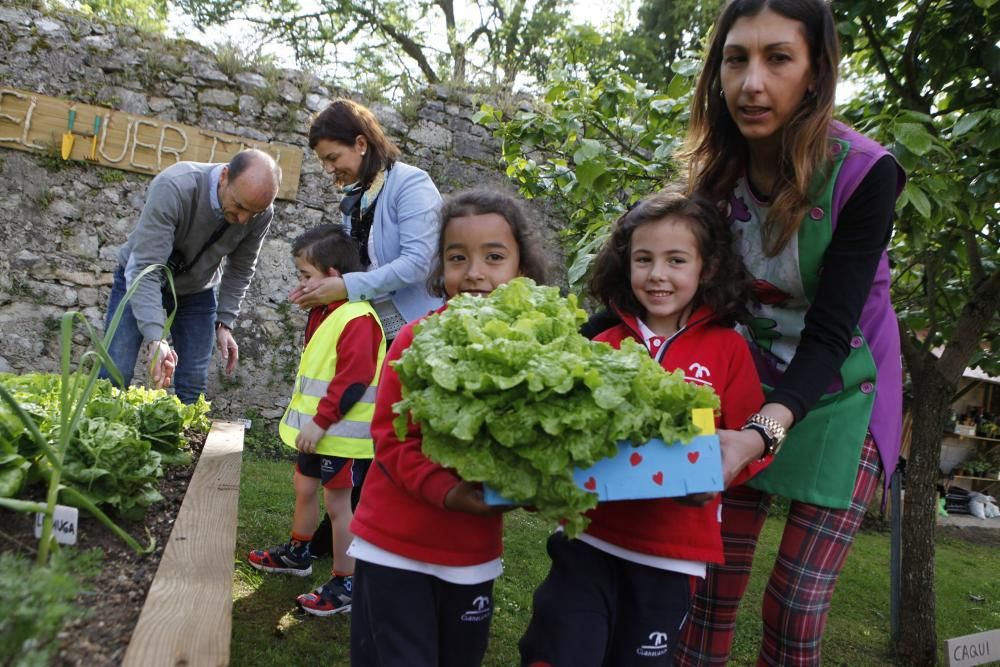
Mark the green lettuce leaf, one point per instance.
(507, 392)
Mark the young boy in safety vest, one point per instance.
(329, 417)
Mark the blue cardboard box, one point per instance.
(653, 470)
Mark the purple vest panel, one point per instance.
(878, 320)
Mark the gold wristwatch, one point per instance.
(770, 430)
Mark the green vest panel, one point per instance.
(818, 463)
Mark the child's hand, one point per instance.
(468, 497)
(307, 438)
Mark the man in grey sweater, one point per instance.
(196, 215)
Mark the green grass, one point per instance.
(268, 631)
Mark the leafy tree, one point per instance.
(594, 150)
(928, 72)
(426, 40)
(668, 30)
(936, 68)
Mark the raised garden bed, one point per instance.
(188, 577)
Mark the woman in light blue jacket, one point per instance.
(390, 209)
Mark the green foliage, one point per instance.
(75, 389)
(938, 107)
(668, 31)
(507, 392)
(146, 15)
(37, 603)
(110, 176)
(396, 47)
(118, 451)
(594, 150)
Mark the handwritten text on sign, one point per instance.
(37, 123)
(64, 524)
(977, 649)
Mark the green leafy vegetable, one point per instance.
(507, 392)
(118, 451)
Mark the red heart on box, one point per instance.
(635, 459)
(693, 457)
(658, 478)
(590, 484)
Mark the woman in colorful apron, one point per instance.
(811, 203)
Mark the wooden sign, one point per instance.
(977, 649)
(102, 136)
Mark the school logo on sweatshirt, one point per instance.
(656, 647)
(698, 373)
(481, 609)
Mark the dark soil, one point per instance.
(114, 598)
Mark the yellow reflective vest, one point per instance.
(351, 436)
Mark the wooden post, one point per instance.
(187, 617)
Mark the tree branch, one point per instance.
(883, 65)
(978, 312)
(410, 46)
(910, 55)
(972, 254)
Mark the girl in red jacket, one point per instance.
(427, 546)
(618, 595)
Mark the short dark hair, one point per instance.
(724, 285)
(328, 247)
(343, 121)
(484, 202)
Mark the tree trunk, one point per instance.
(917, 641)
(934, 381)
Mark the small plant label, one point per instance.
(977, 649)
(246, 423)
(64, 524)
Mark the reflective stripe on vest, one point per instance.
(350, 437)
(347, 428)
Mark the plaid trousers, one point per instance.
(796, 603)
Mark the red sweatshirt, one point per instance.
(357, 361)
(708, 354)
(402, 507)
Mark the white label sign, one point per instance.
(64, 524)
(977, 649)
(246, 423)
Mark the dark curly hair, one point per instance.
(724, 286)
(483, 202)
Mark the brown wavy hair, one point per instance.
(484, 202)
(724, 285)
(342, 121)
(716, 151)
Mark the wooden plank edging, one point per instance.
(187, 616)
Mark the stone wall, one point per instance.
(62, 222)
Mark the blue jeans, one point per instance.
(192, 336)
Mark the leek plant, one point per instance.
(76, 387)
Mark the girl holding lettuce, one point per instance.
(618, 594)
(427, 545)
